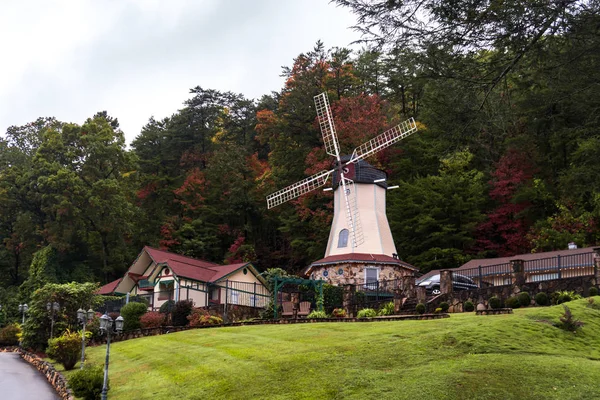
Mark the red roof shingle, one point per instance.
(192, 268)
(109, 288)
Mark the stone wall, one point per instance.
(354, 273)
(55, 378)
(580, 285)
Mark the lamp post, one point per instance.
(83, 317)
(106, 325)
(52, 308)
(23, 308)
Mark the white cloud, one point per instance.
(139, 58)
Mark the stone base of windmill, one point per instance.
(356, 273)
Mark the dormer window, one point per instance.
(343, 238)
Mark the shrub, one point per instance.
(131, 313)
(333, 297)
(420, 308)
(468, 306)
(9, 335)
(444, 306)
(593, 291)
(200, 317)
(567, 322)
(564, 296)
(152, 319)
(524, 299)
(494, 302)
(66, 349)
(513, 302)
(438, 310)
(541, 299)
(317, 315)
(338, 313)
(180, 312)
(366, 313)
(387, 309)
(167, 307)
(87, 383)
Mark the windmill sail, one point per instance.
(386, 139)
(352, 213)
(332, 147)
(298, 189)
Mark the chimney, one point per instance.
(572, 246)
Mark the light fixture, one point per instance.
(379, 180)
(327, 189)
(393, 187)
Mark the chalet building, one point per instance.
(160, 276)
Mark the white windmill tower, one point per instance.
(360, 245)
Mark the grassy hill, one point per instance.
(519, 356)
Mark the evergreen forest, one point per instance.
(506, 95)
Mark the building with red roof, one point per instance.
(161, 276)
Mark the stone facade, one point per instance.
(354, 273)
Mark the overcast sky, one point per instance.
(139, 58)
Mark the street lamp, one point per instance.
(106, 325)
(52, 308)
(83, 317)
(23, 308)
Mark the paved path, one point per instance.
(21, 381)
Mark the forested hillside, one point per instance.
(506, 159)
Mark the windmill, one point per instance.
(345, 167)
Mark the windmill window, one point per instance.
(371, 278)
(343, 239)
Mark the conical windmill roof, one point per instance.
(363, 173)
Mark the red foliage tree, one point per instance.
(505, 229)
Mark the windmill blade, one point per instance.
(352, 214)
(298, 189)
(384, 140)
(332, 146)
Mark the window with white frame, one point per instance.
(343, 238)
(371, 277)
(235, 297)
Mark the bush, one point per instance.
(524, 299)
(387, 309)
(9, 335)
(444, 306)
(468, 306)
(200, 317)
(180, 312)
(65, 349)
(420, 308)
(366, 313)
(494, 302)
(513, 302)
(152, 319)
(333, 297)
(338, 313)
(87, 383)
(564, 296)
(567, 322)
(167, 307)
(593, 291)
(131, 313)
(317, 315)
(438, 310)
(541, 299)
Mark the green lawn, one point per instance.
(519, 356)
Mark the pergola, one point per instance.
(279, 282)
